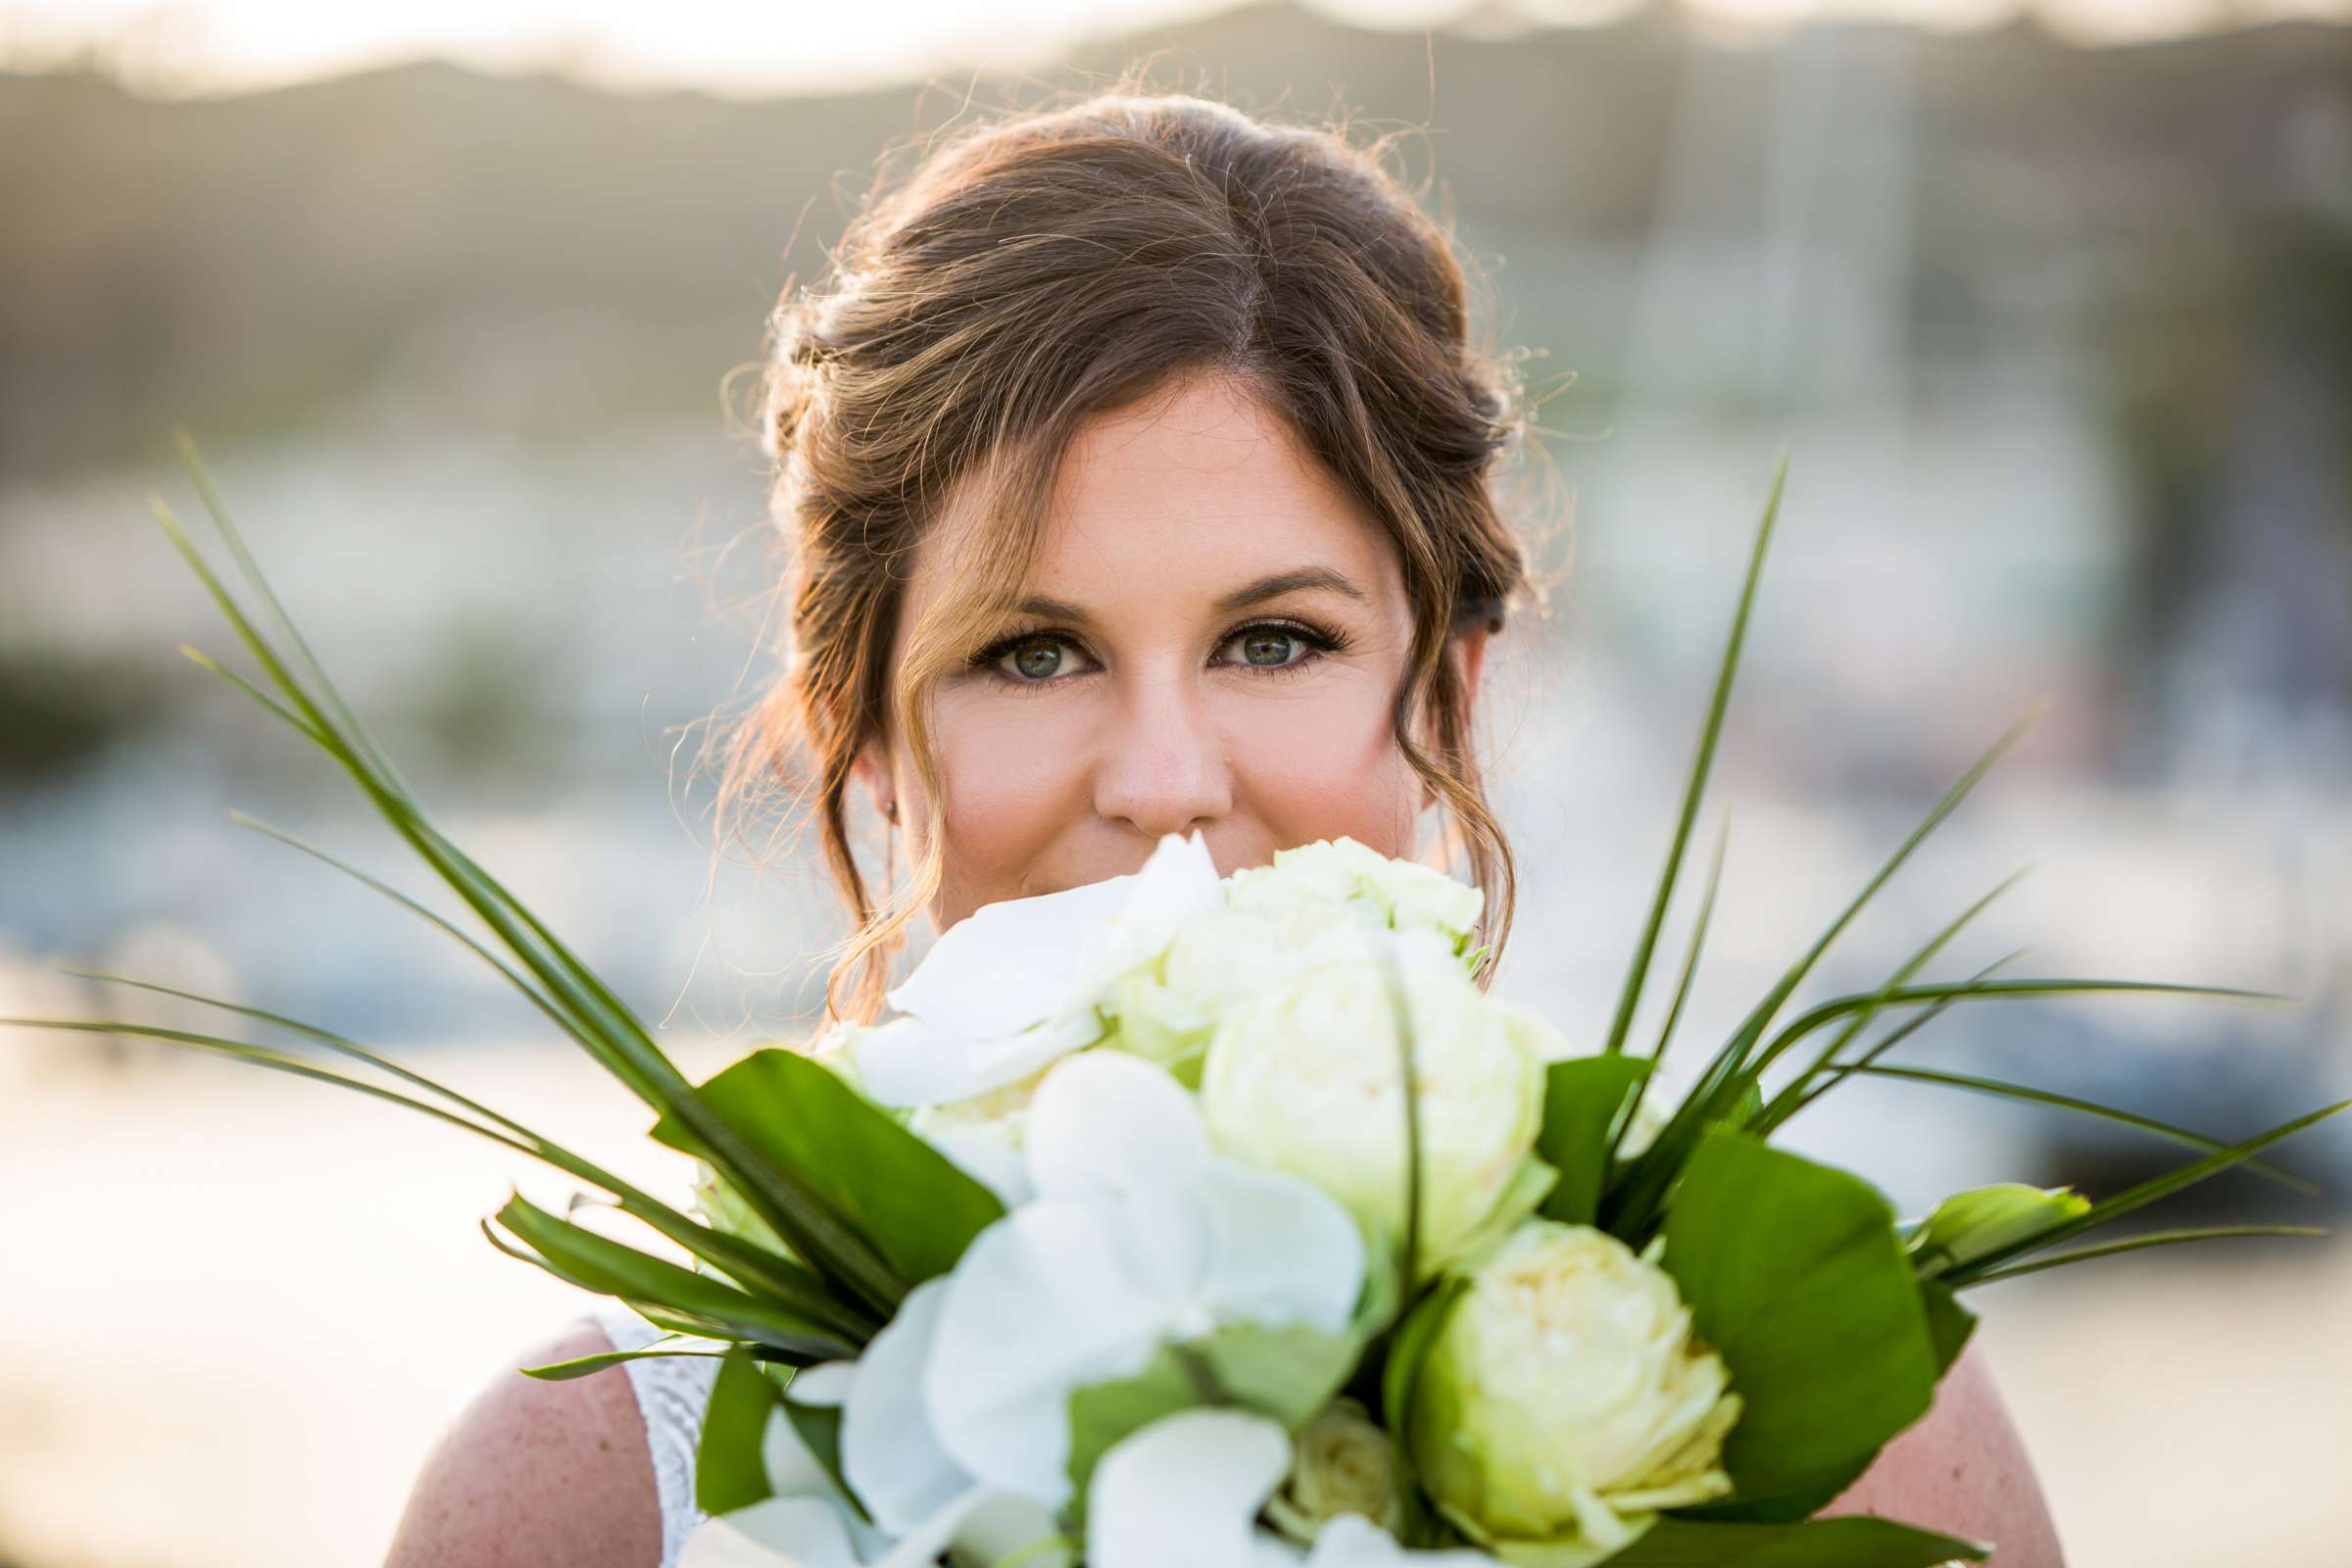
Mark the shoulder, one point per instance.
(1963, 1469)
(535, 1472)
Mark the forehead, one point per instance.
(1202, 483)
(1181, 496)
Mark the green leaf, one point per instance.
(910, 1202)
(1856, 1542)
(565, 1371)
(584, 1004)
(818, 1427)
(751, 1265)
(1793, 1098)
(1966, 1226)
(730, 1471)
(1288, 1373)
(2140, 1197)
(1730, 1076)
(2001, 1090)
(1583, 1100)
(1718, 704)
(1411, 1347)
(1793, 1274)
(599, 1263)
(1950, 1324)
(2209, 1233)
(1102, 1413)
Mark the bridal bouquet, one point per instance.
(1187, 1221)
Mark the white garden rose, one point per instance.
(1309, 1078)
(1405, 895)
(1167, 1009)
(1564, 1393)
(1342, 1464)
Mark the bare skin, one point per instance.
(1140, 703)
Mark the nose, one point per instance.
(1162, 767)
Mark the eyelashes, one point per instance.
(1319, 642)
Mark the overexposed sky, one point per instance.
(735, 47)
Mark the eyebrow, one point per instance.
(1256, 593)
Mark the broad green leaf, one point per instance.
(1856, 1542)
(1950, 1324)
(916, 1208)
(1583, 1100)
(729, 1469)
(1102, 1413)
(1966, 1226)
(1288, 1373)
(1793, 1274)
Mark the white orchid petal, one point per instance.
(804, 1532)
(1003, 967)
(1184, 1492)
(912, 1062)
(1107, 1124)
(823, 1385)
(987, 1159)
(1006, 1529)
(1039, 1307)
(922, 1546)
(793, 1471)
(889, 1455)
(1279, 1250)
(1179, 879)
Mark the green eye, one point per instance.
(1037, 661)
(1267, 647)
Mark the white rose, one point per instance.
(1308, 1079)
(1406, 895)
(1564, 1393)
(1342, 1464)
(1167, 1009)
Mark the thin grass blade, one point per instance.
(1701, 764)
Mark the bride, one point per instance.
(1135, 466)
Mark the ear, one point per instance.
(873, 769)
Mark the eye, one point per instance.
(1275, 645)
(1034, 659)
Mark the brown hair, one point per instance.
(1060, 263)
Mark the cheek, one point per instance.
(1325, 767)
(1013, 785)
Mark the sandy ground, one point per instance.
(235, 1311)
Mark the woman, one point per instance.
(1136, 469)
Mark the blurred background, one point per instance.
(2051, 309)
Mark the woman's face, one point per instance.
(1211, 639)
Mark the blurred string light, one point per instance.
(721, 46)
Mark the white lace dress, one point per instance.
(672, 1392)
